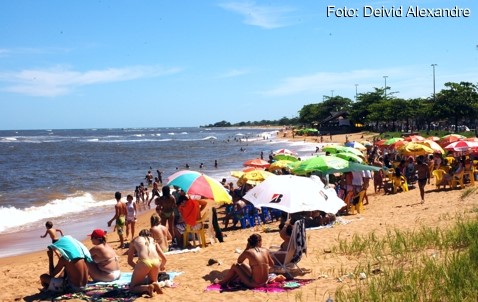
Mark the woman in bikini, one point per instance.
(256, 273)
(165, 206)
(151, 260)
(105, 265)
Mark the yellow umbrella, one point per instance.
(280, 164)
(415, 149)
(253, 177)
(433, 145)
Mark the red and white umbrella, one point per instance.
(450, 138)
(461, 146)
(285, 152)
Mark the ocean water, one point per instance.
(70, 176)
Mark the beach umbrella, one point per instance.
(349, 157)
(461, 146)
(392, 140)
(397, 145)
(280, 164)
(355, 145)
(195, 183)
(292, 194)
(341, 149)
(257, 162)
(247, 169)
(322, 163)
(288, 157)
(285, 152)
(433, 138)
(450, 138)
(366, 143)
(253, 177)
(433, 145)
(415, 149)
(414, 138)
(471, 139)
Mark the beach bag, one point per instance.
(162, 276)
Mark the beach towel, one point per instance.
(71, 249)
(117, 290)
(190, 211)
(274, 287)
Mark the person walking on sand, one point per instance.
(165, 206)
(120, 218)
(130, 216)
(423, 174)
(52, 232)
(151, 260)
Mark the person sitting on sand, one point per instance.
(151, 260)
(256, 273)
(105, 265)
(160, 233)
(51, 231)
(73, 256)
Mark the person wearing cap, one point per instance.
(105, 265)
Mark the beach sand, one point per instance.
(20, 275)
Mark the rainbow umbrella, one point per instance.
(195, 183)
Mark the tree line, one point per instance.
(381, 110)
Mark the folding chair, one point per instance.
(296, 248)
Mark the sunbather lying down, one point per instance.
(256, 273)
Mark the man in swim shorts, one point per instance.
(423, 174)
(120, 217)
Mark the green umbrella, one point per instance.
(288, 157)
(322, 163)
(349, 157)
(341, 149)
(353, 167)
(392, 140)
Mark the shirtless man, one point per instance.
(423, 174)
(165, 206)
(160, 233)
(120, 217)
(256, 273)
(76, 273)
(105, 265)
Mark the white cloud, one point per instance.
(61, 80)
(234, 73)
(407, 82)
(267, 17)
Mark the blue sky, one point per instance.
(102, 64)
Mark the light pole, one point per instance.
(434, 95)
(356, 91)
(385, 90)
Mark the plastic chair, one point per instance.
(457, 179)
(471, 175)
(400, 183)
(199, 230)
(296, 248)
(439, 174)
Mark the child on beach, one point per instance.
(52, 232)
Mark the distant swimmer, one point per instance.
(215, 163)
(187, 166)
(201, 166)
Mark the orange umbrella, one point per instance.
(397, 145)
(257, 162)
